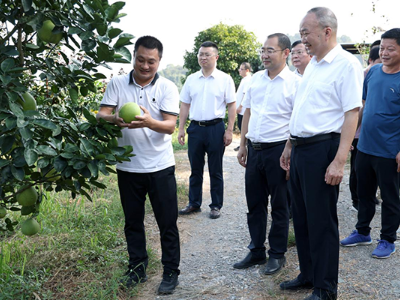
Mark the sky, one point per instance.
(176, 23)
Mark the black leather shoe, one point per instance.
(133, 276)
(249, 261)
(168, 284)
(295, 284)
(189, 210)
(215, 213)
(274, 265)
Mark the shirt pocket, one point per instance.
(321, 94)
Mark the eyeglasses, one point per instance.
(268, 51)
(299, 52)
(206, 55)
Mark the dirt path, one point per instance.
(209, 248)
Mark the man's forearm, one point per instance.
(183, 115)
(245, 127)
(231, 115)
(347, 135)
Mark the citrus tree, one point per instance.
(50, 52)
(235, 44)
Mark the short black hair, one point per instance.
(392, 34)
(296, 43)
(374, 44)
(247, 66)
(373, 54)
(283, 40)
(209, 44)
(149, 42)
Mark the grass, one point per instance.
(79, 253)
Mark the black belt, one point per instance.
(296, 141)
(207, 123)
(261, 146)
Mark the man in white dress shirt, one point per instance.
(245, 72)
(269, 102)
(300, 57)
(322, 127)
(204, 98)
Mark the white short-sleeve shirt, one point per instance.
(270, 103)
(208, 96)
(153, 151)
(328, 89)
(241, 91)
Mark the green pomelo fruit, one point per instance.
(27, 210)
(129, 111)
(3, 212)
(27, 197)
(45, 33)
(51, 175)
(29, 102)
(30, 227)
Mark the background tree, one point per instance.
(49, 54)
(174, 73)
(236, 45)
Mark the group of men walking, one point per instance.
(296, 132)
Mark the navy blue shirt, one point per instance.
(380, 130)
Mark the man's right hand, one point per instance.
(285, 157)
(242, 156)
(181, 136)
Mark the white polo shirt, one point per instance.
(328, 89)
(271, 103)
(241, 91)
(153, 150)
(208, 96)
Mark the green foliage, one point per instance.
(62, 134)
(174, 73)
(235, 44)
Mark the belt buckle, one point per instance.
(256, 146)
(200, 124)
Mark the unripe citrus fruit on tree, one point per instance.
(129, 111)
(3, 212)
(28, 197)
(30, 227)
(29, 102)
(45, 33)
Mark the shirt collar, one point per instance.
(283, 74)
(132, 80)
(214, 73)
(330, 56)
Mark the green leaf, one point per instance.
(74, 94)
(6, 143)
(46, 150)
(43, 162)
(98, 184)
(87, 146)
(84, 91)
(124, 39)
(88, 115)
(93, 168)
(26, 4)
(74, 30)
(114, 32)
(32, 46)
(11, 122)
(16, 109)
(79, 164)
(45, 124)
(31, 156)
(7, 64)
(18, 173)
(125, 52)
(104, 53)
(26, 133)
(101, 29)
(88, 45)
(3, 162)
(68, 155)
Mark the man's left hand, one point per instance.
(227, 137)
(334, 173)
(398, 162)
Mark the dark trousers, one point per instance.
(264, 177)
(202, 140)
(315, 215)
(372, 171)
(239, 121)
(353, 177)
(161, 188)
